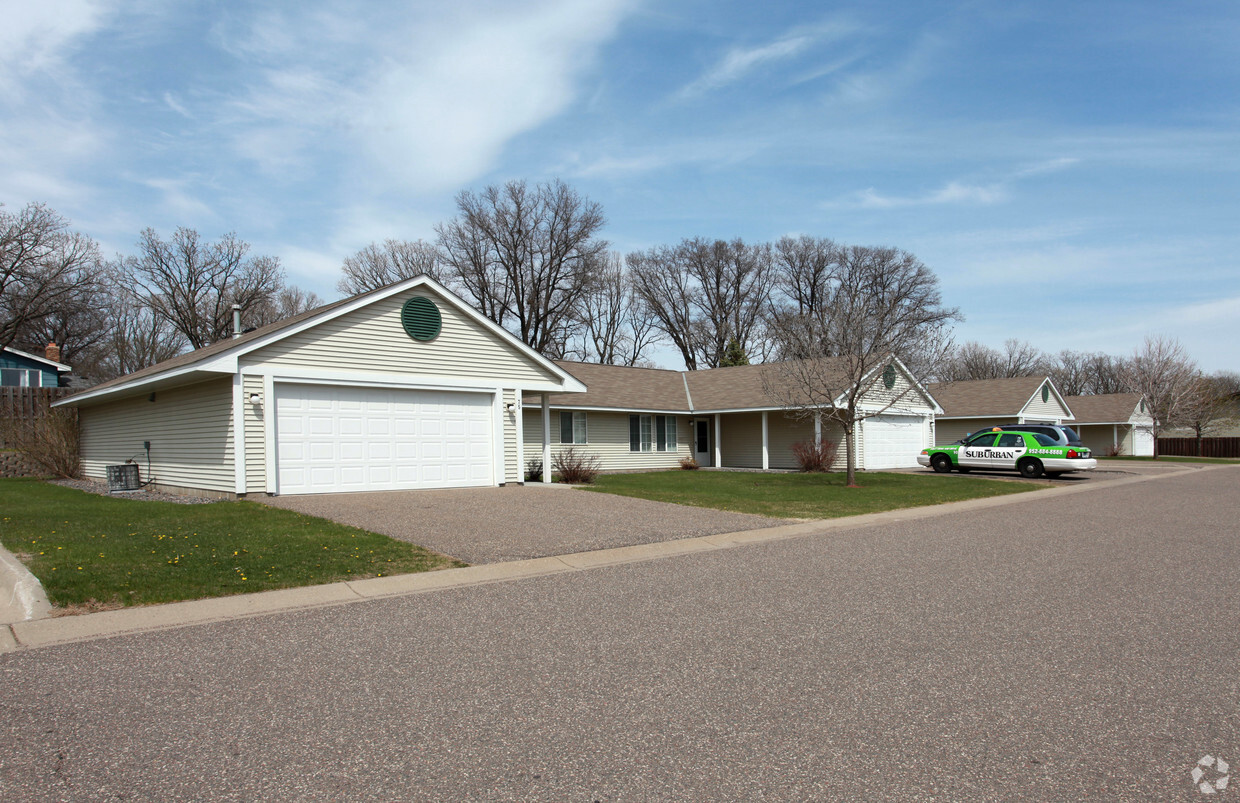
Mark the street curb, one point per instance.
(127, 621)
(21, 594)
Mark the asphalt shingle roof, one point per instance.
(1108, 408)
(985, 396)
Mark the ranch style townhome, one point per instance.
(1113, 423)
(1109, 423)
(643, 418)
(969, 406)
(408, 386)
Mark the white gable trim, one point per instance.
(1046, 380)
(869, 377)
(59, 366)
(227, 361)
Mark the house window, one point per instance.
(573, 427)
(652, 433)
(20, 378)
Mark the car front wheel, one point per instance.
(1030, 468)
(941, 463)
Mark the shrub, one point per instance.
(533, 469)
(689, 464)
(576, 467)
(811, 456)
(1115, 450)
(49, 441)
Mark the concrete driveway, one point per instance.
(489, 525)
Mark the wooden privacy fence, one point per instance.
(1200, 447)
(25, 404)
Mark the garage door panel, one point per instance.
(894, 441)
(354, 439)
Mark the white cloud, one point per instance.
(953, 192)
(432, 100)
(740, 61)
(36, 37)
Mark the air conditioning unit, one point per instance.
(124, 478)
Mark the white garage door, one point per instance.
(1143, 442)
(332, 439)
(894, 441)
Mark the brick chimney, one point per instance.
(52, 352)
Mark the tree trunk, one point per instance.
(849, 447)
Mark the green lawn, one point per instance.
(97, 551)
(1172, 458)
(802, 496)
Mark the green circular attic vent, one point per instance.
(1046, 393)
(421, 318)
(889, 377)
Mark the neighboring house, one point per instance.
(19, 369)
(1113, 423)
(638, 418)
(970, 406)
(403, 387)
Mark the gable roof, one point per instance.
(59, 366)
(740, 387)
(985, 397)
(620, 387)
(221, 357)
(1106, 408)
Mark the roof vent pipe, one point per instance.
(236, 321)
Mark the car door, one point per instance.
(1009, 449)
(976, 452)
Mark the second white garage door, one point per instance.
(331, 439)
(894, 441)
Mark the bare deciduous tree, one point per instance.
(1167, 377)
(1213, 407)
(974, 360)
(378, 265)
(803, 267)
(1080, 373)
(526, 257)
(704, 293)
(286, 303)
(617, 327)
(878, 304)
(193, 283)
(44, 269)
(137, 339)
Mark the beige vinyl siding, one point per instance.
(902, 397)
(512, 472)
(255, 436)
(1049, 410)
(1099, 438)
(784, 431)
(742, 439)
(372, 340)
(608, 435)
(190, 429)
(950, 430)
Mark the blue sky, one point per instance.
(1068, 169)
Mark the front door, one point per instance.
(701, 442)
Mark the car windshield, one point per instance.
(1071, 433)
(1045, 440)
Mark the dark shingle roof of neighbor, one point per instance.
(1107, 408)
(985, 396)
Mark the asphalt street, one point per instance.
(1081, 647)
